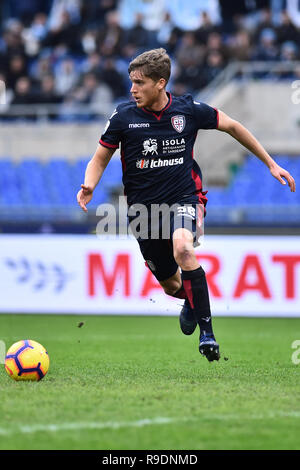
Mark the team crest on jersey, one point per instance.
(150, 146)
(178, 122)
(142, 163)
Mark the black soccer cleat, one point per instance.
(209, 348)
(186, 319)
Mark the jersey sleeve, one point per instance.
(111, 136)
(206, 116)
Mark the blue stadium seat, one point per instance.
(32, 184)
(252, 196)
(218, 197)
(112, 176)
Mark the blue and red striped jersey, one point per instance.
(157, 148)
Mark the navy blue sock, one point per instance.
(195, 286)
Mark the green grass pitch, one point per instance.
(139, 383)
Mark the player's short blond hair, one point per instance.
(154, 64)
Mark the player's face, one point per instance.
(145, 91)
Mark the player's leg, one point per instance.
(195, 285)
(173, 286)
(158, 255)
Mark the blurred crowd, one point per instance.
(77, 52)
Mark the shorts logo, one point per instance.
(178, 122)
(151, 265)
(188, 211)
(142, 163)
(150, 146)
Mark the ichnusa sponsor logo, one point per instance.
(143, 163)
(146, 163)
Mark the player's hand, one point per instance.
(280, 173)
(84, 196)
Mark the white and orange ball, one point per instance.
(27, 360)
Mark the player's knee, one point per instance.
(184, 254)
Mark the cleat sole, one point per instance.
(211, 352)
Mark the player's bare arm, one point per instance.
(242, 135)
(93, 174)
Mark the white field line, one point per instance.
(141, 423)
(90, 425)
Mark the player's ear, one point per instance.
(161, 83)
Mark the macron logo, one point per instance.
(142, 124)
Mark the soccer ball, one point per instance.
(27, 360)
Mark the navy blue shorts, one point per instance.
(154, 232)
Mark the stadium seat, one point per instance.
(32, 186)
(112, 177)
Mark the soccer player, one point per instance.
(157, 133)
